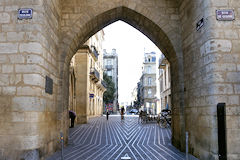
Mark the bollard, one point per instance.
(222, 140)
(186, 145)
(61, 138)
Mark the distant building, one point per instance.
(164, 82)
(147, 85)
(110, 61)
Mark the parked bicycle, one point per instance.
(164, 118)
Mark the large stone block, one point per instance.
(11, 8)
(34, 79)
(15, 36)
(36, 59)
(219, 88)
(34, 116)
(4, 18)
(15, 79)
(28, 104)
(234, 3)
(3, 59)
(220, 3)
(31, 47)
(9, 90)
(7, 68)
(233, 77)
(3, 37)
(8, 48)
(236, 46)
(28, 68)
(4, 79)
(29, 91)
(231, 34)
(16, 58)
(216, 45)
(8, 28)
(233, 144)
(17, 116)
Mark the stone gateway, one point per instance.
(205, 68)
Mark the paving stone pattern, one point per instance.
(110, 140)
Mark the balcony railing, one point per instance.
(94, 74)
(104, 84)
(109, 66)
(94, 52)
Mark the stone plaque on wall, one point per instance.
(49, 85)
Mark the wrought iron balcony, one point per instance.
(104, 84)
(108, 67)
(94, 74)
(94, 52)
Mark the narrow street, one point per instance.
(113, 139)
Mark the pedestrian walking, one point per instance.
(122, 113)
(107, 114)
(72, 116)
(140, 116)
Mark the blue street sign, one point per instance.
(91, 95)
(25, 13)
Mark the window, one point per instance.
(109, 73)
(149, 80)
(150, 92)
(149, 69)
(153, 59)
(109, 62)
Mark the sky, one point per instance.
(130, 45)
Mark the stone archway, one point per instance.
(168, 42)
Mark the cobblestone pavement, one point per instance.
(114, 139)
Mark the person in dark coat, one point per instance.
(72, 116)
(122, 113)
(107, 114)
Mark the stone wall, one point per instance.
(211, 59)
(27, 54)
(43, 46)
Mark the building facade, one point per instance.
(147, 86)
(110, 61)
(164, 83)
(86, 79)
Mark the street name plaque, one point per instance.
(91, 95)
(25, 13)
(225, 15)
